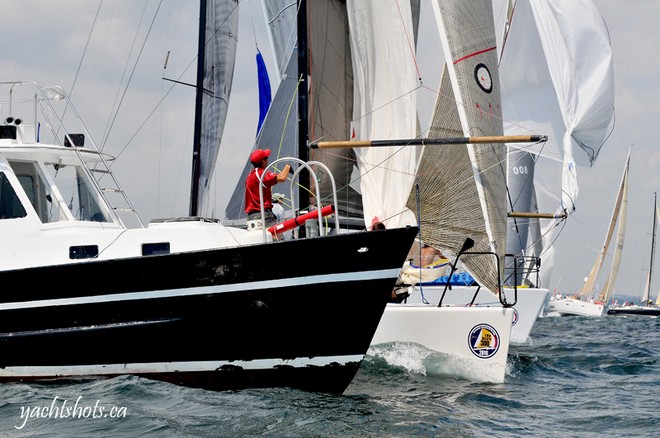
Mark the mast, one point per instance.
(303, 136)
(197, 135)
(647, 291)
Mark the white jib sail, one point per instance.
(385, 106)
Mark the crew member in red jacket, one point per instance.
(259, 159)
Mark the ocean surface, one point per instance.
(578, 377)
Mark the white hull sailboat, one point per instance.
(567, 306)
(530, 303)
(476, 338)
(589, 302)
(464, 344)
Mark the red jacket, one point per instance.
(252, 190)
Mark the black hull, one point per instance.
(640, 311)
(296, 314)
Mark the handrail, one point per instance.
(469, 243)
(307, 166)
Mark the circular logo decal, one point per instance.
(483, 78)
(484, 341)
(515, 317)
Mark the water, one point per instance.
(579, 377)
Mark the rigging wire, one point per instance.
(115, 105)
(137, 60)
(82, 57)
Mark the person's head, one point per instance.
(378, 226)
(259, 157)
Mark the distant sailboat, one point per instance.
(589, 301)
(647, 306)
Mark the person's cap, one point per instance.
(259, 155)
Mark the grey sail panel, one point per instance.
(280, 16)
(220, 56)
(521, 194)
(278, 133)
(331, 101)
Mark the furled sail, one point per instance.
(462, 189)
(220, 33)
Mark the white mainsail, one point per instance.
(657, 218)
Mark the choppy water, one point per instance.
(579, 377)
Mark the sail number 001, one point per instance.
(519, 170)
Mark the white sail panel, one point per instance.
(548, 90)
(384, 105)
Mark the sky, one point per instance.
(150, 123)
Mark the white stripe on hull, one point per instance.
(171, 367)
(207, 290)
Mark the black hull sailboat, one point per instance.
(217, 319)
(648, 307)
(635, 310)
(185, 300)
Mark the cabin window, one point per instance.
(83, 252)
(155, 248)
(10, 205)
(38, 191)
(78, 192)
